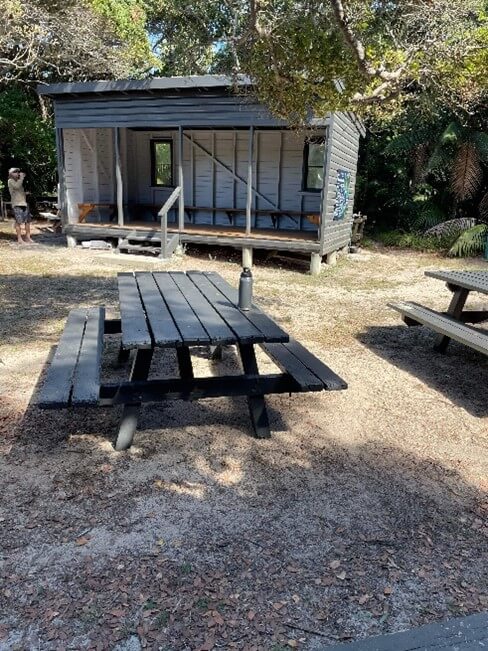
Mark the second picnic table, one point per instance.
(453, 323)
(178, 310)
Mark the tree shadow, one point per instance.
(354, 540)
(53, 426)
(460, 374)
(30, 302)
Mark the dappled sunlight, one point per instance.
(181, 488)
(356, 492)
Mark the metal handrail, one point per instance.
(163, 213)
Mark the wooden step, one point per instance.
(444, 325)
(137, 248)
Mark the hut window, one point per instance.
(161, 162)
(313, 164)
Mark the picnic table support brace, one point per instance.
(256, 403)
(130, 414)
(455, 310)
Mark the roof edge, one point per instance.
(134, 85)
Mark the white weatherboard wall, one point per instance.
(277, 173)
(207, 184)
(89, 169)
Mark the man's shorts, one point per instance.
(22, 215)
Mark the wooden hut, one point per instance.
(161, 162)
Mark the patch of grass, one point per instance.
(202, 603)
(150, 605)
(186, 568)
(162, 619)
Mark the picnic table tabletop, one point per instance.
(471, 280)
(194, 308)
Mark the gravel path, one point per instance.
(366, 512)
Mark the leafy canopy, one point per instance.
(370, 57)
(48, 40)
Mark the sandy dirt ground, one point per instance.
(365, 513)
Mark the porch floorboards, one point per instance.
(202, 234)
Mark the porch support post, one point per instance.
(325, 196)
(61, 179)
(181, 200)
(315, 262)
(247, 256)
(119, 188)
(249, 180)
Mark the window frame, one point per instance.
(153, 143)
(320, 140)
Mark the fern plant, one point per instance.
(456, 159)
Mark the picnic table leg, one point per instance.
(256, 403)
(455, 310)
(124, 354)
(184, 362)
(130, 414)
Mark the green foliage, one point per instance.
(471, 242)
(26, 140)
(415, 241)
(427, 174)
(128, 20)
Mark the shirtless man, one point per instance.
(19, 204)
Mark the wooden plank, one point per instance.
(331, 380)
(460, 634)
(163, 327)
(56, 389)
(249, 180)
(181, 204)
(286, 360)
(217, 329)
(191, 330)
(244, 330)
(119, 189)
(86, 382)
(270, 329)
(445, 325)
(228, 169)
(135, 333)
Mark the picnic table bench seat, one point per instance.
(308, 372)
(273, 213)
(444, 324)
(73, 377)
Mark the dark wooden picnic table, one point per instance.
(178, 310)
(452, 324)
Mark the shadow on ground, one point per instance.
(253, 542)
(29, 302)
(461, 374)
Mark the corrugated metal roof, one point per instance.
(134, 85)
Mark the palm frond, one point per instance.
(467, 172)
(480, 141)
(483, 208)
(429, 215)
(439, 162)
(452, 134)
(406, 142)
(451, 227)
(470, 242)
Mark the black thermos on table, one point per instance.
(245, 289)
